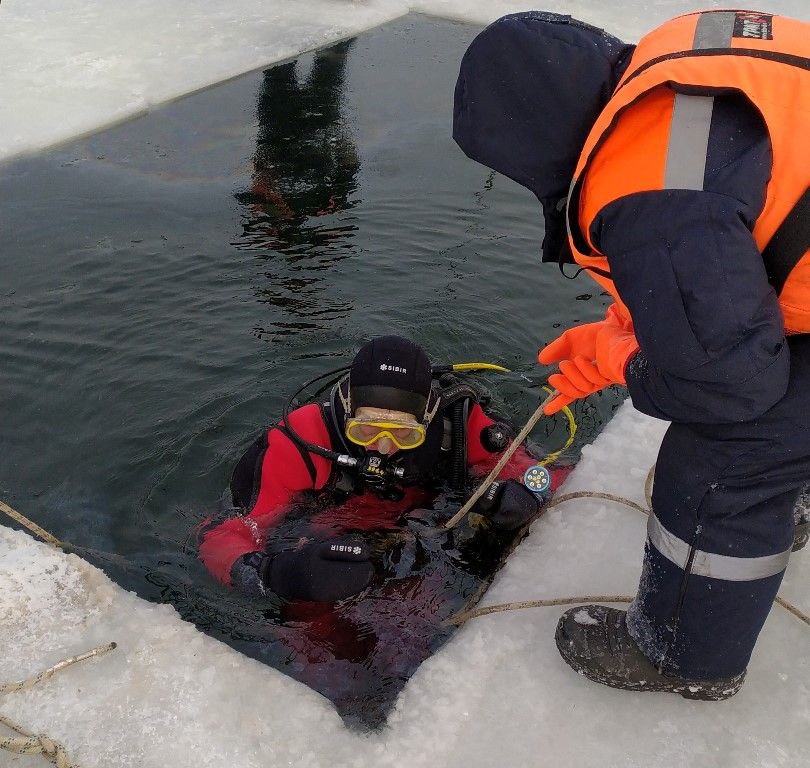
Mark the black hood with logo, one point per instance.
(391, 372)
(530, 88)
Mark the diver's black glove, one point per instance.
(508, 505)
(324, 571)
(249, 572)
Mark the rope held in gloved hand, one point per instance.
(496, 470)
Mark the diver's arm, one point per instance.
(223, 545)
(483, 453)
(284, 473)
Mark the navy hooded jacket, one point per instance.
(684, 261)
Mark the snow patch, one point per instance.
(585, 618)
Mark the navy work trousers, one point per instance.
(721, 532)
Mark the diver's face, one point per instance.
(384, 445)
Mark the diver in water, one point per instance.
(393, 432)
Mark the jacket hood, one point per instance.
(530, 88)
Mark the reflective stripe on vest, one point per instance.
(688, 141)
(712, 565)
(714, 30)
(675, 71)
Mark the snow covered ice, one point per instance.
(497, 692)
(72, 68)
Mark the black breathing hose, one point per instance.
(458, 461)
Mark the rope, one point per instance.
(459, 618)
(648, 486)
(30, 744)
(33, 527)
(51, 671)
(40, 744)
(507, 454)
(63, 545)
(596, 495)
(800, 615)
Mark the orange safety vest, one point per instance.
(674, 69)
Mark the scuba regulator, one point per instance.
(380, 477)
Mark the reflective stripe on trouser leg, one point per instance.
(720, 604)
(728, 490)
(710, 564)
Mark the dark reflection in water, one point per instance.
(306, 162)
(167, 283)
(304, 172)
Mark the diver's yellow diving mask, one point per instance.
(403, 434)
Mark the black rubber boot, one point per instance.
(801, 536)
(801, 516)
(594, 641)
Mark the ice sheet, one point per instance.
(73, 68)
(496, 694)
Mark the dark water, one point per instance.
(166, 284)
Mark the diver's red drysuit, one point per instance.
(282, 472)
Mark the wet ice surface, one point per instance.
(497, 691)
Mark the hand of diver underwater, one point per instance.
(322, 571)
(591, 357)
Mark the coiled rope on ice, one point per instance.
(28, 743)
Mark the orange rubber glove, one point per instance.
(591, 357)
